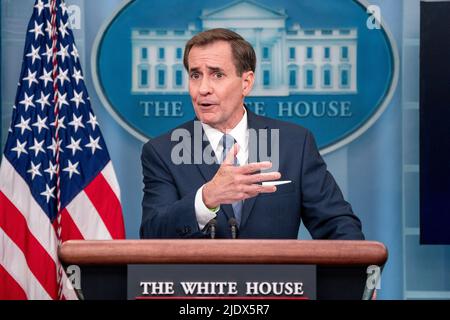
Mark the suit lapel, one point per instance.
(207, 170)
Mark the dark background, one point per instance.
(435, 123)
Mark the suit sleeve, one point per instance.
(324, 211)
(164, 213)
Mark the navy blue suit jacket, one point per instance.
(313, 196)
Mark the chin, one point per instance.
(208, 118)
(209, 121)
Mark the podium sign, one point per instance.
(221, 281)
(338, 269)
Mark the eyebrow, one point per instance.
(215, 69)
(211, 69)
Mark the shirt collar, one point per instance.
(239, 133)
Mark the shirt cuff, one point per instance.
(202, 212)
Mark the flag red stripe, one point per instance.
(69, 230)
(107, 205)
(9, 288)
(39, 261)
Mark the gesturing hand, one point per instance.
(232, 183)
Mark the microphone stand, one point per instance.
(233, 225)
(212, 228)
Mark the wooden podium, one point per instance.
(341, 265)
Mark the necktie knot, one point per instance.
(227, 142)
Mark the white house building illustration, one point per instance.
(289, 60)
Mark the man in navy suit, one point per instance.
(215, 174)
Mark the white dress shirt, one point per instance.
(240, 134)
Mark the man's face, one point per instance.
(216, 90)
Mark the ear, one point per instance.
(248, 79)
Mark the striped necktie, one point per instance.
(227, 143)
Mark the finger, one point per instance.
(267, 189)
(255, 189)
(231, 155)
(249, 191)
(261, 177)
(254, 167)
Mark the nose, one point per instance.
(205, 87)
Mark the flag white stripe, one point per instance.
(15, 263)
(94, 227)
(69, 293)
(110, 176)
(17, 191)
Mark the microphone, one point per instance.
(233, 225)
(212, 228)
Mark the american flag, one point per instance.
(56, 178)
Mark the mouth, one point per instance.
(207, 105)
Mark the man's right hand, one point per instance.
(232, 183)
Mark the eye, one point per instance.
(218, 75)
(195, 75)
